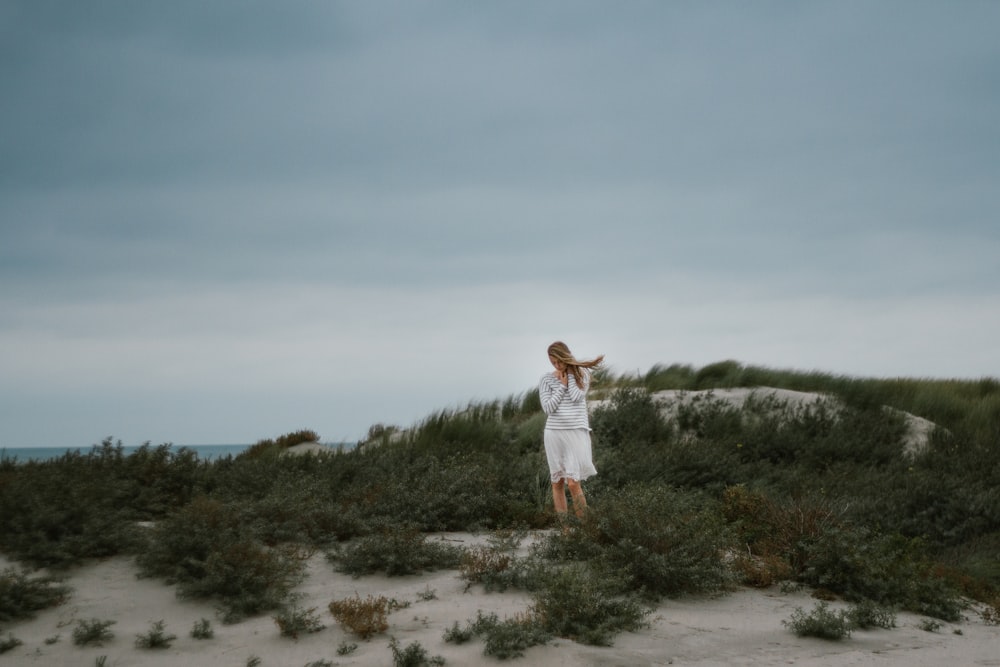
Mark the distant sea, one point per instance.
(204, 452)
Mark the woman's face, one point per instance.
(558, 365)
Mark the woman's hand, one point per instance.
(562, 376)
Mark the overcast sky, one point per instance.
(225, 221)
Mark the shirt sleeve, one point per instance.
(551, 393)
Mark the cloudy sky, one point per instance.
(225, 221)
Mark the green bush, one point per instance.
(208, 553)
(292, 621)
(94, 631)
(414, 655)
(155, 638)
(9, 643)
(660, 542)
(821, 622)
(395, 550)
(867, 614)
(580, 604)
(202, 629)
(22, 595)
(505, 639)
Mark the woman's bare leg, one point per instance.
(559, 497)
(579, 500)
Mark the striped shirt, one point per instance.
(566, 407)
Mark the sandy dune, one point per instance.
(741, 628)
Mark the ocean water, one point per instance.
(22, 454)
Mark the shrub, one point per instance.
(10, 643)
(21, 596)
(94, 631)
(155, 637)
(658, 541)
(293, 621)
(362, 617)
(821, 622)
(346, 648)
(585, 606)
(395, 550)
(202, 629)
(208, 552)
(414, 655)
(867, 614)
(503, 639)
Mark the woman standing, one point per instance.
(567, 429)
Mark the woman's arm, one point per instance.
(551, 392)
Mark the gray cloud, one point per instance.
(361, 212)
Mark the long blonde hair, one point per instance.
(560, 351)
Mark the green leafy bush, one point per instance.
(292, 621)
(95, 631)
(22, 595)
(155, 638)
(580, 604)
(414, 655)
(202, 629)
(658, 541)
(821, 622)
(395, 550)
(505, 639)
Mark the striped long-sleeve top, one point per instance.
(566, 407)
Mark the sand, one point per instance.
(740, 628)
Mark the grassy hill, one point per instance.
(712, 496)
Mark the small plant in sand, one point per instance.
(504, 639)
(94, 631)
(414, 655)
(363, 617)
(821, 622)
(293, 621)
(929, 625)
(155, 637)
(867, 614)
(346, 648)
(9, 643)
(202, 629)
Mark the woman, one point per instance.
(567, 429)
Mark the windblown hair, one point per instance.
(561, 352)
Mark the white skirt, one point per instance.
(569, 455)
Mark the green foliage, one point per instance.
(292, 621)
(867, 614)
(819, 474)
(579, 603)
(95, 631)
(395, 550)
(9, 643)
(414, 655)
(346, 648)
(658, 541)
(505, 639)
(821, 622)
(155, 638)
(202, 629)
(209, 553)
(22, 595)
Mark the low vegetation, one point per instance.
(827, 495)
